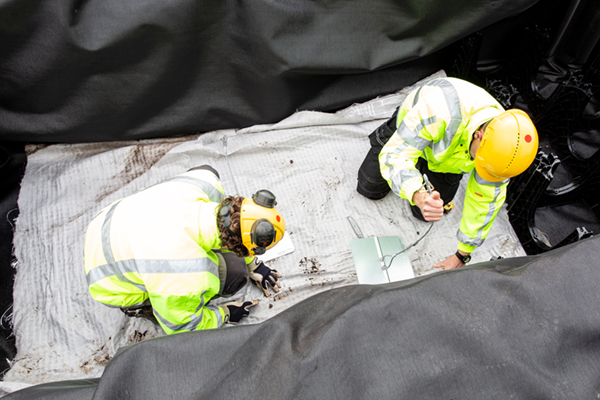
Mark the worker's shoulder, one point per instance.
(462, 86)
(449, 90)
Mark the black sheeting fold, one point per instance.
(100, 70)
(521, 328)
(12, 169)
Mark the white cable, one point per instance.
(402, 251)
(430, 191)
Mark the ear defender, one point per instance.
(262, 234)
(262, 225)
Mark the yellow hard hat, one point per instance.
(261, 224)
(508, 147)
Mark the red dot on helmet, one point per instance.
(278, 218)
(528, 138)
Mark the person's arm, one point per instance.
(180, 302)
(184, 312)
(397, 161)
(453, 261)
(180, 299)
(483, 201)
(418, 129)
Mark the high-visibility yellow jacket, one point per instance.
(436, 122)
(158, 244)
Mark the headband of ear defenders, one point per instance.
(226, 216)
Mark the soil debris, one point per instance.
(280, 296)
(138, 336)
(310, 265)
(100, 358)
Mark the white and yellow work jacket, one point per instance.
(157, 244)
(436, 122)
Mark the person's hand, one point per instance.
(449, 263)
(432, 207)
(235, 310)
(265, 277)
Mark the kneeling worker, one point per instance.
(164, 252)
(444, 129)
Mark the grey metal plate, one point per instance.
(368, 254)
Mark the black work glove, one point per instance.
(235, 311)
(264, 277)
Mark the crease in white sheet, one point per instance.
(309, 161)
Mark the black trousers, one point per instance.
(372, 185)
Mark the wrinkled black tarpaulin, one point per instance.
(98, 70)
(520, 328)
(12, 168)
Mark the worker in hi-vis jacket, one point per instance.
(446, 128)
(164, 252)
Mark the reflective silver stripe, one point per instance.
(193, 324)
(106, 249)
(425, 122)
(492, 206)
(107, 270)
(412, 136)
(453, 104)
(467, 240)
(416, 99)
(482, 181)
(119, 268)
(490, 214)
(478, 241)
(108, 253)
(405, 174)
(217, 313)
(211, 191)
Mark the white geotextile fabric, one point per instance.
(309, 160)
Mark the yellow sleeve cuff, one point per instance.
(410, 189)
(465, 247)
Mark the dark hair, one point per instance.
(485, 124)
(231, 239)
